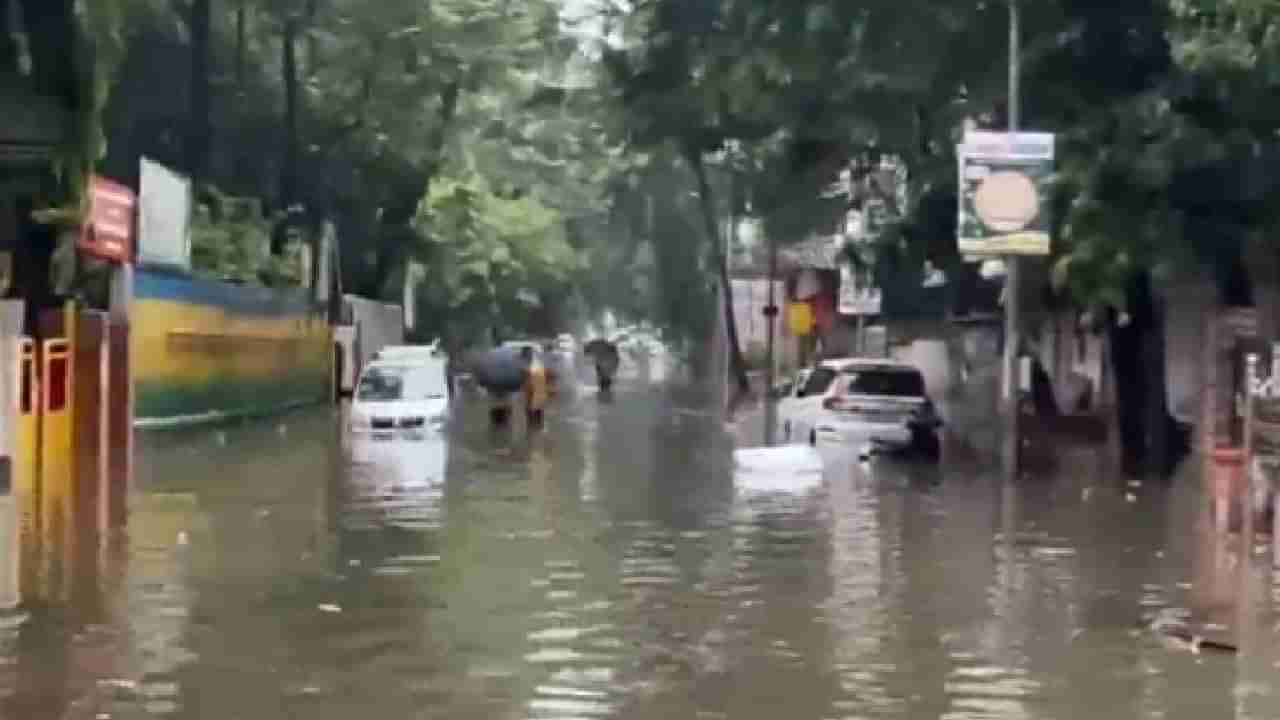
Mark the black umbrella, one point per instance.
(502, 369)
(604, 353)
(597, 345)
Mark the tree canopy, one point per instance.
(547, 159)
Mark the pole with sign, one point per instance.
(1004, 186)
(108, 232)
(1004, 212)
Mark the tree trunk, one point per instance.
(242, 50)
(398, 215)
(313, 8)
(1159, 424)
(1126, 364)
(1264, 275)
(289, 67)
(8, 41)
(198, 125)
(1138, 361)
(51, 31)
(737, 365)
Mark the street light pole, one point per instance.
(771, 317)
(1012, 445)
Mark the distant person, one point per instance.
(536, 389)
(604, 355)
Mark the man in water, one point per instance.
(606, 361)
(536, 389)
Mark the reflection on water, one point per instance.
(616, 565)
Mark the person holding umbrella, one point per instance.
(536, 389)
(502, 372)
(604, 355)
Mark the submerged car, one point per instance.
(872, 403)
(400, 399)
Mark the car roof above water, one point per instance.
(854, 363)
(408, 352)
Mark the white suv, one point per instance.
(866, 402)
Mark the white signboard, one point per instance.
(164, 208)
(324, 265)
(1004, 193)
(855, 299)
(413, 275)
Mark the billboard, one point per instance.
(1004, 193)
(164, 233)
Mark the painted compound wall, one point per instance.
(205, 350)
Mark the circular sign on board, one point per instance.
(1007, 201)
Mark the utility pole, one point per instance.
(771, 317)
(1011, 390)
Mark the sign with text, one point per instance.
(108, 231)
(1004, 193)
(164, 236)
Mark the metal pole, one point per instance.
(771, 316)
(1246, 502)
(1269, 472)
(726, 364)
(1012, 445)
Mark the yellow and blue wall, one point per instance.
(206, 350)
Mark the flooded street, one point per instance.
(612, 567)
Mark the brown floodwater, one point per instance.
(613, 566)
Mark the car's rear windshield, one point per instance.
(894, 383)
(396, 382)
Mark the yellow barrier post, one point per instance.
(26, 459)
(26, 438)
(55, 459)
(26, 448)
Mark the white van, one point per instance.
(364, 328)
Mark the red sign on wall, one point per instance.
(108, 233)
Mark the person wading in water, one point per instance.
(536, 389)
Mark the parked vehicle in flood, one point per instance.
(366, 327)
(875, 403)
(400, 399)
(411, 353)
